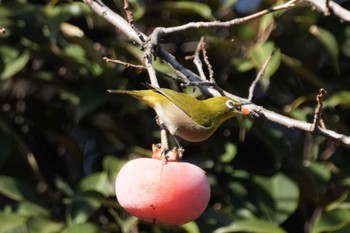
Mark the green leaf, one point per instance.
(259, 53)
(26, 208)
(242, 65)
(112, 165)
(186, 7)
(338, 98)
(86, 228)
(75, 52)
(15, 64)
(252, 226)
(97, 182)
(284, 193)
(191, 227)
(81, 209)
(329, 41)
(230, 152)
(333, 220)
(12, 223)
(17, 190)
(43, 225)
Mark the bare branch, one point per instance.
(206, 60)
(132, 21)
(119, 22)
(328, 6)
(259, 76)
(304, 126)
(318, 111)
(126, 64)
(197, 61)
(236, 21)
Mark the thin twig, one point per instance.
(206, 60)
(318, 111)
(131, 20)
(259, 76)
(140, 67)
(236, 21)
(197, 61)
(126, 64)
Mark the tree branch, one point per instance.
(187, 76)
(327, 7)
(116, 20)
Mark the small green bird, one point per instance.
(185, 116)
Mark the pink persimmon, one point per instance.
(172, 194)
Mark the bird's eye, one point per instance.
(231, 105)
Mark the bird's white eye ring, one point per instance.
(231, 105)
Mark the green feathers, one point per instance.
(185, 116)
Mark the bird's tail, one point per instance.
(145, 96)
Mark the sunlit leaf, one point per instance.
(339, 203)
(43, 225)
(26, 208)
(12, 223)
(86, 228)
(242, 65)
(230, 152)
(14, 65)
(259, 54)
(252, 226)
(187, 7)
(191, 227)
(331, 221)
(338, 98)
(97, 182)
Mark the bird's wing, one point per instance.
(193, 107)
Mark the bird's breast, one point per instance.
(180, 124)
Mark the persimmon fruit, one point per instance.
(171, 193)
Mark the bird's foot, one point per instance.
(166, 154)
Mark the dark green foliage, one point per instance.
(63, 138)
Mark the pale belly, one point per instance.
(180, 124)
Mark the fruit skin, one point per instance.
(172, 194)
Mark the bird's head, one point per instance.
(221, 109)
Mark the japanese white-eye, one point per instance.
(185, 116)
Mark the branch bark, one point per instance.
(187, 76)
(328, 7)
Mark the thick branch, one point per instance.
(327, 7)
(119, 22)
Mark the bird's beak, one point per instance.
(248, 109)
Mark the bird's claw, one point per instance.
(167, 155)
